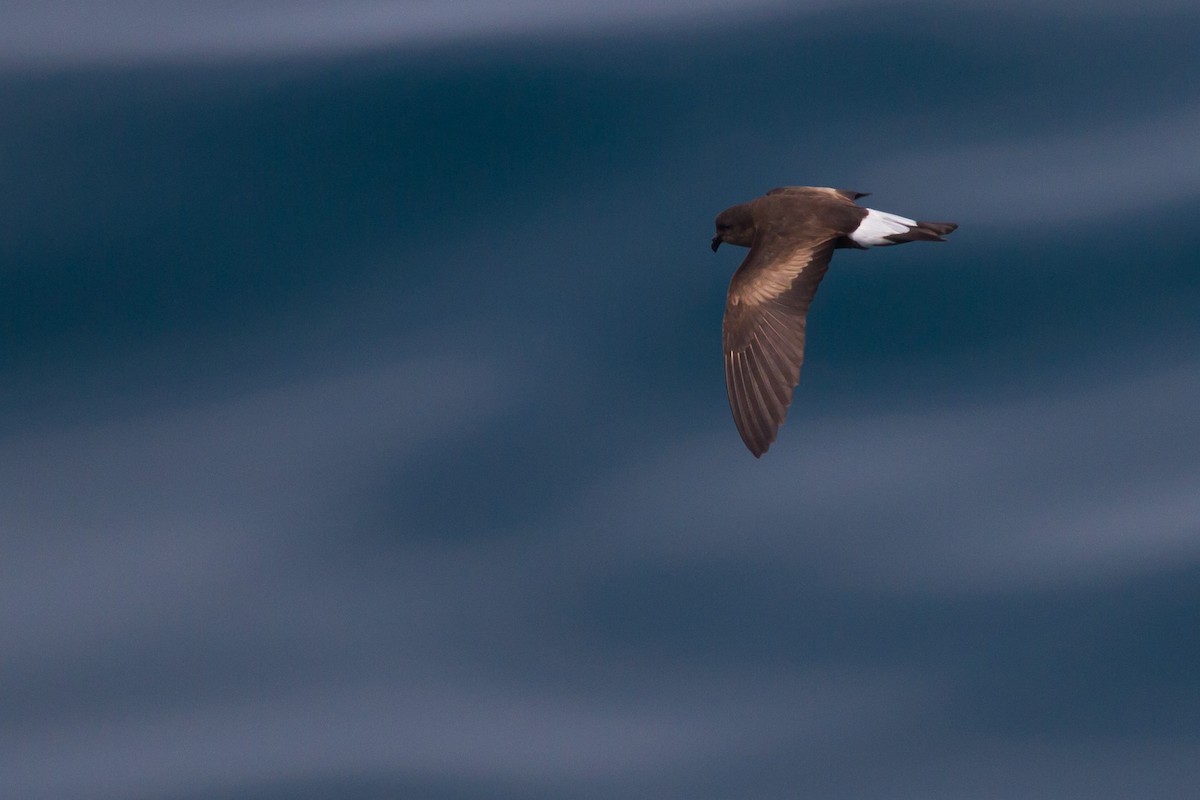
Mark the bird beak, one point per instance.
(716, 242)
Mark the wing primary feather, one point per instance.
(769, 344)
(787, 353)
(782, 326)
(767, 407)
(747, 422)
(737, 394)
(789, 356)
(785, 339)
(737, 402)
(772, 321)
(755, 424)
(775, 376)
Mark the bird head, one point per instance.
(736, 226)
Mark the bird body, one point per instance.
(792, 232)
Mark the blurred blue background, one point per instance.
(364, 432)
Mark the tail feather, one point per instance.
(923, 232)
(881, 228)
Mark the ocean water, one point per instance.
(363, 431)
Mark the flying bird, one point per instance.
(792, 232)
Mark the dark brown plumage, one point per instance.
(792, 233)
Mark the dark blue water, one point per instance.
(363, 431)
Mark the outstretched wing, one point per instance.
(765, 318)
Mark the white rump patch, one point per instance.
(878, 224)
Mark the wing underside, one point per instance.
(764, 336)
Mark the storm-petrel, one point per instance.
(792, 233)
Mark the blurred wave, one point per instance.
(364, 431)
